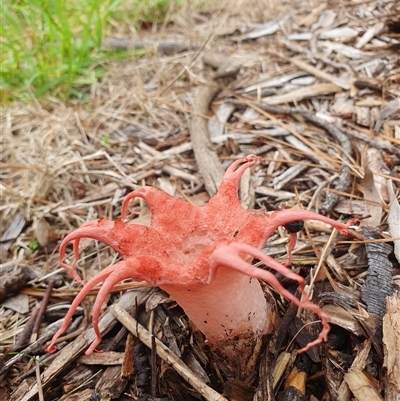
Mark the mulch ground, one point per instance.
(313, 89)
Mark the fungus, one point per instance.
(202, 257)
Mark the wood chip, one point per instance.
(361, 387)
(373, 206)
(303, 93)
(103, 358)
(344, 33)
(369, 34)
(320, 74)
(267, 28)
(343, 318)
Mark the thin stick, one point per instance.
(26, 333)
(163, 352)
(39, 382)
(323, 256)
(42, 309)
(153, 366)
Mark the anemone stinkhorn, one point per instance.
(202, 257)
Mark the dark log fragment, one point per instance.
(379, 282)
(142, 365)
(83, 395)
(299, 331)
(147, 397)
(174, 386)
(238, 390)
(77, 376)
(292, 394)
(265, 391)
(110, 386)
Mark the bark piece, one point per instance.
(271, 366)
(128, 367)
(391, 341)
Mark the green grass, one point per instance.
(53, 47)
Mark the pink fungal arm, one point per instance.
(228, 255)
(202, 257)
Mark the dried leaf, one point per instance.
(42, 232)
(18, 303)
(378, 167)
(280, 367)
(361, 387)
(12, 232)
(373, 207)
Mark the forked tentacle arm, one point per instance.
(282, 217)
(230, 255)
(111, 275)
(78, 299)
(71, 268)
(229, 186)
